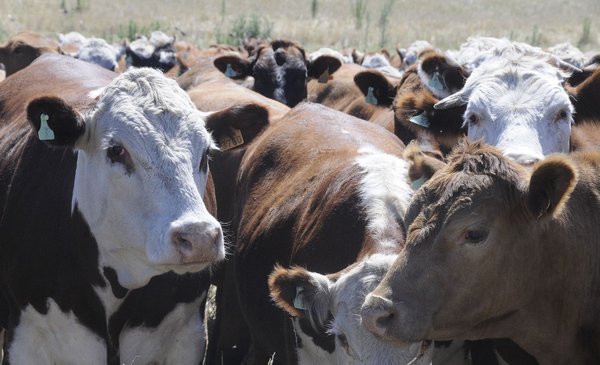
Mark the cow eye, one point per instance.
(473, 119)
(475, 235)
(204, 162)
(116, 153)
(562, 114)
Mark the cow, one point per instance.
(71, 42)
(280, 70)
(496, 250)
(321, 190)
(156, 52)
(514, 99)
(99, 52)
(104, 232)
(24, 47)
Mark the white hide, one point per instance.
(179, 339)
(54, 338)
(133, 212)
(99, 52)
(517, 103)
(379, 62)
(344, 299)
(414, 50)
(568, 53)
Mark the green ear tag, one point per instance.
(436, 82)
(229, 72)
(299, 300)
(418, 183)
(45, 133)
(324, 77)
(421, 120)
(370, 98)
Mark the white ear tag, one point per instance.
(324, 77)
(45, 133)
(299, 299)
(421, 120)
(370, 98)
(229, 72)
(436, 82)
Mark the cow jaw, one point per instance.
(146, 211)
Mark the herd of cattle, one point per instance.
(427, 207)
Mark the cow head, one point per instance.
(338, 297)
(142, 170)
(280, 70)
(24, 48)
(517, 103)
(157, 52)
(99, 52)
(473, 250)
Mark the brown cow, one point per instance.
(21, 49)
(494, 251)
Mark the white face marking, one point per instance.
(179, 339)
(137, 210)
(385, 193)
(520, 107)
(345, 298)
(54, 338)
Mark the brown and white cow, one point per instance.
(324, 191)
(103, 181)
(21, 49)
(496, 251)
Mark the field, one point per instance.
(364, 24)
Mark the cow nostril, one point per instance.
(181, 243)
(385, 320)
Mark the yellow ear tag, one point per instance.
(229, 72)
(324, 77)
(232, 140)
(370, 98)
(45, 133)
(299, 299)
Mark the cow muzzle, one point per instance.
(197, 241)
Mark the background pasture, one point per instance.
(364, 24)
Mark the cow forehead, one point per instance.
(143, 104)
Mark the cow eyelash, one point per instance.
(472, 119)
(204, 162)
(562, 114)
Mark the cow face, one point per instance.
(99, 52)
(474, 247)
(24, 48)
(280, 70)
(306, 294)
(142, 169)
(518, 105)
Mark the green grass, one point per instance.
(336, 23)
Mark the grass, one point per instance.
(336, 23)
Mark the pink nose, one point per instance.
(378, 314)
(197, 241)
(522, 159)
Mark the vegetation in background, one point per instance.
(585, 38)
(384, 21)
(244, 27)
(534, 40)
(359, 9)
(133, 29)
(314, 8)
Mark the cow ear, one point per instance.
(55, 122)
(233, 66)
(441, 75)
(237, 125)
(550, 186)
(301, 293)
(323, 65)
(376, 88)
(423, 159)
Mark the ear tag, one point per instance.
(231, 140)
(418, 183)
(324, 77)
(370, 98)
(421, 120)
(299, 300)
(45, 133)
(229, 72)
(436, 82)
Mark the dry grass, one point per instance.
(444, 23)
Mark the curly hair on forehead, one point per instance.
(480, 158)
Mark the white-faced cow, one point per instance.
(514, 99)
(102, 180)
(496, 251)
(324, 191)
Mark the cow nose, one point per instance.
(523, 159)
(378, 314)
(196, 241)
